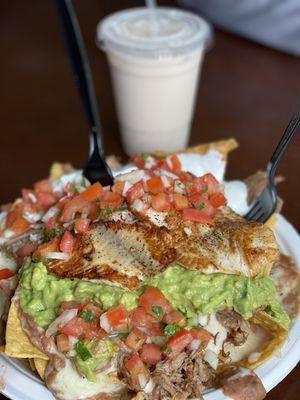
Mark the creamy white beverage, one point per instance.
(155, 57)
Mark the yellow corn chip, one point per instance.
(31, 363)
(222, 146)
(272, 222)
(40, 366)
(278, 336)
(17, 343)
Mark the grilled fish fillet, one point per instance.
(126, 252)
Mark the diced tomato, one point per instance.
(71, 207)
(68, 305)
(201, 334)
(139, 317)
(150, 354)
(27, 249)
(118, 187)
(46, 248)
(217, 199)
(201, 202)
(180, 202)
(155, 185)
(62, 342)
(153, 297)
(135, 192)
(174, 317)
(67, 242)
(118, 317)
(176, 164)
(211, 182)
(93, 192)
(185, 176)
(178, 342)
(93, 308)
(13, 215)
(160, 202)
(82, 224)
(138, 372)
(45, 199)
(111, 199)
(20, 225)
(190, 214)
(138, 160)
(80, 328)
(43, 186)
(136, 339)
(156, 330)
(6, 273)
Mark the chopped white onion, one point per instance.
(150, 162)
(179, 187)
(3, 215)
(165, 181)
(149, 387)
(50, 213)
(187, 231)
(169, 162)
(62, 320)
(194, 345)
(32, 197)
(32, 217)
(57, 255)
(164, 172)
(138, 205)
(211, 358)
(127, 186)
(142, 380)
(104, 323)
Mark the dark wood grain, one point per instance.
(246, 91)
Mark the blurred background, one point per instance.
(246, 90)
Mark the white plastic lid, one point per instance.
(157, 32)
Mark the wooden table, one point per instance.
(246, 91)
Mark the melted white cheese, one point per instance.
(69, 385)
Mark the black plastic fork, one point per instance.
(265, 204)
(96, 168)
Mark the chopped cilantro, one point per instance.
(158, 311)
(82, 351)
(205, 189)
(36, 259)
(74, 189)
(103, 213)
(201, 206)
(167, 349)
(49, 234)
(190, 184)
(87, 316)
(171, 329)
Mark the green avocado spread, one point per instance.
(191, 292)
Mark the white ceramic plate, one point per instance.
(19, 383)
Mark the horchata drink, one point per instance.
(155, 57)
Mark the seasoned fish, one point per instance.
(126, 252)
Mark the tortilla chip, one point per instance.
(272, 221)
(278, 336)
(17, 343)
(31, 363)
(222, 146)
(40, 366)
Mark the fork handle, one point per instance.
(82, 72)
(289, 133)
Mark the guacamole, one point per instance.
(191, 292)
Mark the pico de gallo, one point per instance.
(62, 214)
(151, 332)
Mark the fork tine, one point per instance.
(253, 210)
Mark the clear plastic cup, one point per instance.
(155, 57)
